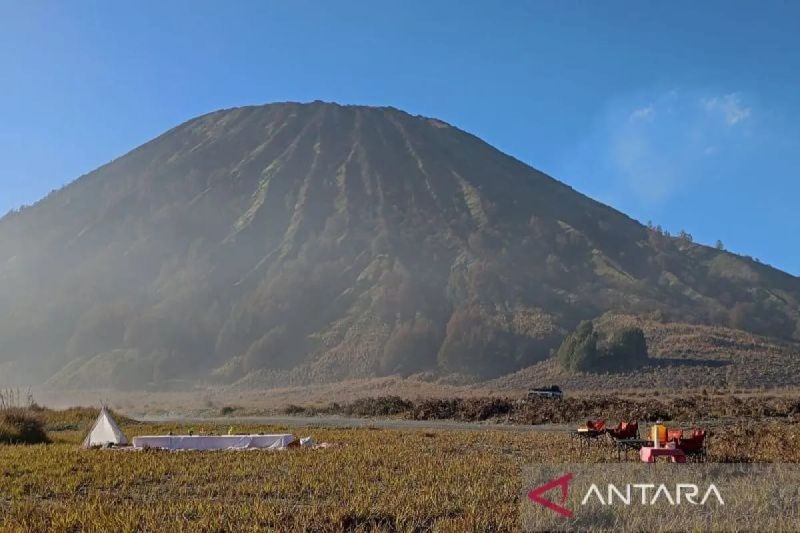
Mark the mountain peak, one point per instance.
(318, 241)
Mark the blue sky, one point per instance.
(683, 113)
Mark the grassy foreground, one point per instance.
(385, 479)
(372, 479)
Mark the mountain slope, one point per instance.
(322, 242)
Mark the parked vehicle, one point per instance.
(554, 392)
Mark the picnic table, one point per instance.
(648, 454)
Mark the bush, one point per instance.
(293, 409)
(623, 348)
(19, 425)
(381, 406)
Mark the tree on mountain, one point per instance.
(585, 350)
(625, 347)
(578, 352)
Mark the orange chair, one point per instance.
(674, 435)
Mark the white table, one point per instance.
(213, 442)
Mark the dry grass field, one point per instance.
(372, 479)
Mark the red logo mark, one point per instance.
(536, 494)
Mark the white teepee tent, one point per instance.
(105, 431)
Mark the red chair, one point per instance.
(591, 433)
(695, 446)
(625, 438)
(625, 430)
(597, 425)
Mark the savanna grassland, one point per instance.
(371, 479)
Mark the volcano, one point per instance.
(301, 243)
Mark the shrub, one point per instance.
(293, 409)
(625, 348)
(381, 406)
(622, 348)
(20, 425)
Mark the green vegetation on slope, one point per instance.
(623, 348)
